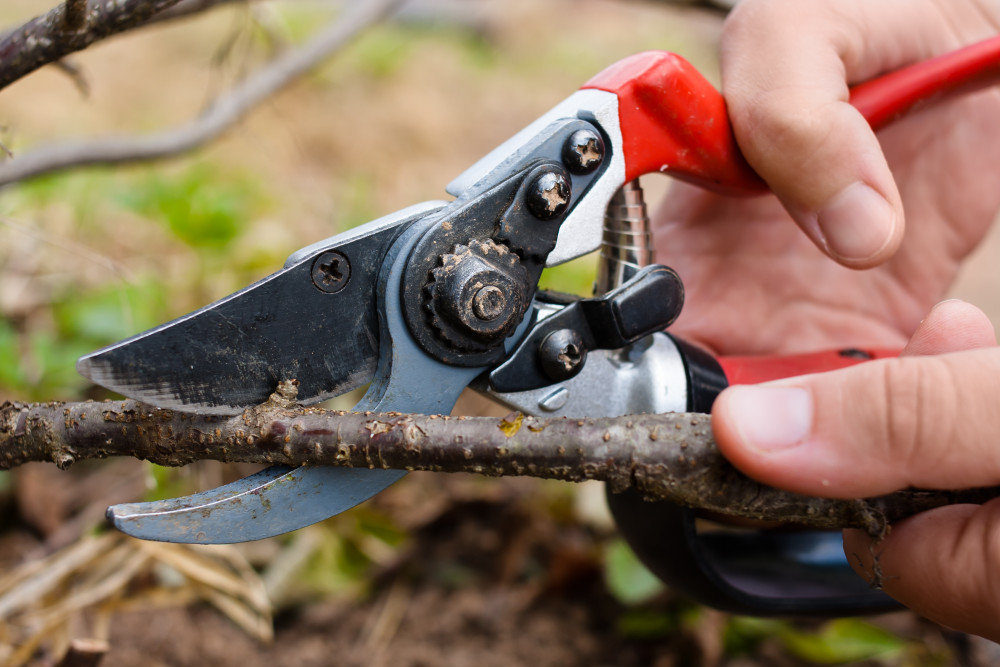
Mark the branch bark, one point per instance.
(222, 114)
(664, 457)
(72, 26)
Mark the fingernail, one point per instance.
(857, 222)
(770, 418)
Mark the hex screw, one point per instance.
(331, 272)
(583, 152)
(489, 303)
(548, 195)
(562, 354)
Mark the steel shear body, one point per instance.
(443, 295)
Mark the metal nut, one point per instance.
(479, 295)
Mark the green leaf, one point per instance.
(110, 312)
(202, 206)
(647, 624)
(573, 277)
(628, 579)
(837, 642)
(12, 374)
(842, 641)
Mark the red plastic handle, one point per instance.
(674, 121)
(752, 370)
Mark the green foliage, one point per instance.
(837, 642)
(202, 205)
(627, 578)
(348, 546)
(642, 623)
(164, 482)
(573, 277)
(356, 204)
(83, 192)
(381, 52)
(110, 312)
(12, 373)
(40, 364)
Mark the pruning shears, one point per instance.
(443, 295)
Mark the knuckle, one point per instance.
(918, 404)
(778, 122)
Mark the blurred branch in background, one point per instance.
(221, 114)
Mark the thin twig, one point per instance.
(223, 113)
(663, 457)
(75, 74)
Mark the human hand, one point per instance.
(756, 284)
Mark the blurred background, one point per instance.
(439, 570)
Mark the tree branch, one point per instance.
(663, 457)
(223, 113)
(72, 26)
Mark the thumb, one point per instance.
(786, 66)
(923, 421)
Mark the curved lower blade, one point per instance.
(273, 501)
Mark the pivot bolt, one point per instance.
(489, 303)
(562, 354)
(331, 271)
(548, 195)
(478, 293)
(583, 152)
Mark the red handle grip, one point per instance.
(753, 370)
(674, 121)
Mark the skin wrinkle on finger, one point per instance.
(918, 411)
(913, 398)
(907, 434)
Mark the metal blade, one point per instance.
(231, 354)
(282, 499)
(271, 502)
